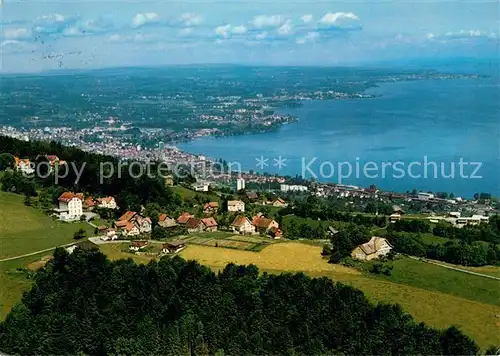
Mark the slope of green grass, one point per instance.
(435, 278)
(24, 229)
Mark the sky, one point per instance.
(45, 35)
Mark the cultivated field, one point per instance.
(427, 301)
(25, 229)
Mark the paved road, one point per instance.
(36, 252)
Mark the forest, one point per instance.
(129, 192)
(83, 303)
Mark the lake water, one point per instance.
(443, 120)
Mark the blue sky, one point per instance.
(42, 35)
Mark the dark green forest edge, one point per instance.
(85, 304)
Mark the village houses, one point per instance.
(235, 206)
(133, 224)
(375, 248)
(23, 165)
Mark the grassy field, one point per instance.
(186, 193)
(24, 229)
(435, 304)
(429, 276)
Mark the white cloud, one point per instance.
(16, 33)
(263, 21)
(8, 43)
(308, 38)
(239, 30)
(52, 18)
(307, 18)
(191, 19)
(145, 18)
(261, 36)
(138, 37)
(333, 18)
(185, 31)
(461, 35)
(223, 31)
(286, 28)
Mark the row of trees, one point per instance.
(85, 304)
(316, 208)
(477, 253)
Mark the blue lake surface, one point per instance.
(443, 120)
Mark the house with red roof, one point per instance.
(243, 225)
(210, 225)
(132, 224)
(266, 225)
(107, 203)
(194, 225)
(70, 206)
(184, 217)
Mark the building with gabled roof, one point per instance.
(375, 248)
(70, 206)
(242, 225)
(210, 224)
(235, 206)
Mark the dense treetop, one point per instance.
(84, 303)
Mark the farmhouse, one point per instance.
(396, 209)
(70, 206)
(132, 223)
(173, 247)
(235, 206)
(243, 225)
(264, 224)
(280, 203)
(108, 203)
(210, 208)
(209, 224)
(165, 221)
(375, 248)
(184, 218)
(137, 245)
(194, 225)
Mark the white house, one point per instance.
(243, 225)
(375, 248)
(394, 217)
(235, 206)
(108, 203)
(201, 187)
(70, 206)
